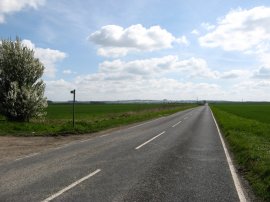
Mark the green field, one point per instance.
(246, 127)
(89, 118)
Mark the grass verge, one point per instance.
(249, 140)
(89, 118)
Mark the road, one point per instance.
(174, 158)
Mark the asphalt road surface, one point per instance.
(174, 158)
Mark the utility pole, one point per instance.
(73, 106)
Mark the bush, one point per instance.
(21, 89)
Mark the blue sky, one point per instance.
(146, 49)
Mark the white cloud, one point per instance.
(198, 68)
(159, 67)
(246, 31)
(262, 73)
(155, 67)
(146, 79)
(207, 26)
(139, 79)
(182, 40)
(48, 57)
(116, 41)
(68, 72)
(240, 30)
(59, 90)
(114, 52)
(146, 67)
(195, 32)
(264, 58)
(234, 74)
(96, 87)
(11, 6)
(163, 88)
(252, 90)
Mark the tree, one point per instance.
(21, 87)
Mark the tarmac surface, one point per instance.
(174, 158)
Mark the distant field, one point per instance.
(89, 111)
(89, 118)
(256, 111)
(247, 129)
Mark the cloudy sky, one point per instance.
(146, 49)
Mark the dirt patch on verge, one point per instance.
(12, 147)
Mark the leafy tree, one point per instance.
(21, 89)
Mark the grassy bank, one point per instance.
(247, 130)
(89, 118)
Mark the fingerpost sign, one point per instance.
(73, 106)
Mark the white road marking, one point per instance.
(236, 180)
(186, 118)
(176, 124)
(150, 140)
(71, 186)
(24, 157)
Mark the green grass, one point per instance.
(89, 118)
(256, 111)
(247, 130)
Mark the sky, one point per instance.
(146, 49)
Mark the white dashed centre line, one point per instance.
(71, 186)
(176, 124)
(150, 140)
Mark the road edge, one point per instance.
(236, 180)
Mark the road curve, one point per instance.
(174, 158)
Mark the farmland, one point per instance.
(246, 127)
(89, 118)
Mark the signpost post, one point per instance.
(73, 105)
